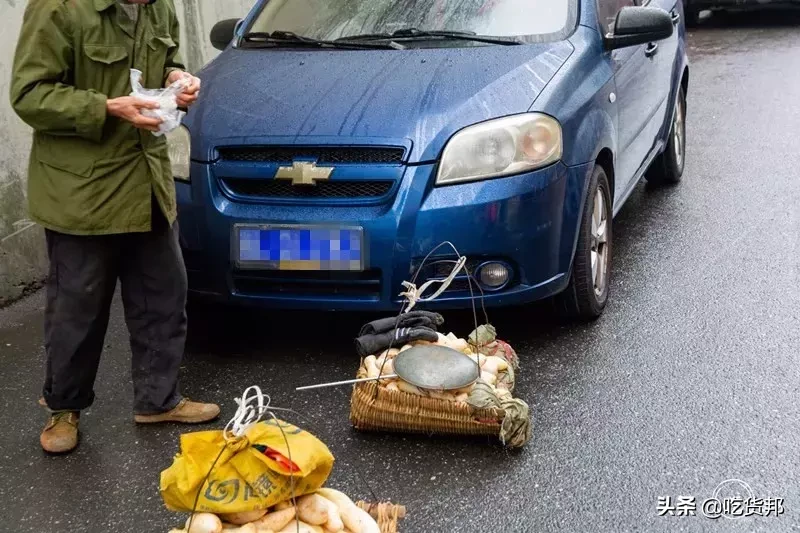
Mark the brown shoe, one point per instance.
(60, 435)
(186, 412)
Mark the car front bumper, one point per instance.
(529, 221)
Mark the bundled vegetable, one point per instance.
(325, 511)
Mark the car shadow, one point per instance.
(228, 331)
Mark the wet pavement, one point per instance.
(691, 378)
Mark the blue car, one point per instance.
(338, 142)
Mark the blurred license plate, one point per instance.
(299, 248)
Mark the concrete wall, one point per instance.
(23, 260)
(22, 252)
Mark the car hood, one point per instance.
(413, 98)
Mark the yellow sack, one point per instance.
(244, 479)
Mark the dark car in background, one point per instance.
(693, 8)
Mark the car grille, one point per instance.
(272, 188)
(322, 155)
(320, 283)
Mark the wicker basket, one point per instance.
(374, 408)
(386, 514)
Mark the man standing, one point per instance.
(101, 185)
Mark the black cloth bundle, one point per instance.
(379, 335)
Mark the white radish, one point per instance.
(445, 396)
(203, 523)
(368, 524)
(463, 397)
(283, 505)
(354, 518)
(406, 347)
(388, 368)
(459, 345)
(466, 390)
(243, 518)
(409, 388)
(371, 366)
(312, 509)
(393, 387)
(495, 365)
(334, 522)
(452, 336)
(246, 528)
(490, 368)
(276, 520)
(422, 343)
(294, 526)
(491, 379)
(390, 354)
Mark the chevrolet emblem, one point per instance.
(304, 173)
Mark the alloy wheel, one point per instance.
(679, 132)
(599, 249)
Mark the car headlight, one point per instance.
(501, 147)
(179, 145)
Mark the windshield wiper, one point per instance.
(279, 38)
(414, 34)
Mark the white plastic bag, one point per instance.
(166, 98)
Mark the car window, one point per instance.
(333, 19)
(607, 11)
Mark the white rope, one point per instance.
(249, 412)
(414, 295)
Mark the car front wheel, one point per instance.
(587, 294)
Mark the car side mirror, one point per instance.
(639, 25)
(222, 33)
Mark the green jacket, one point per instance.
(91, 174)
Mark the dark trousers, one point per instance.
(80, 287)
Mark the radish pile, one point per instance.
(325, 511)
(492, 368)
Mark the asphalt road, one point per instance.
(691, 378)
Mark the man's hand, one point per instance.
(130, 108)
(191, 87)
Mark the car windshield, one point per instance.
(527, 20)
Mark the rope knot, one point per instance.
(414, 294)
(249, 412)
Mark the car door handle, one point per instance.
(676, 17)
(651, 50)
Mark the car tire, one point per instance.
(667, 169)
(587, 294)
